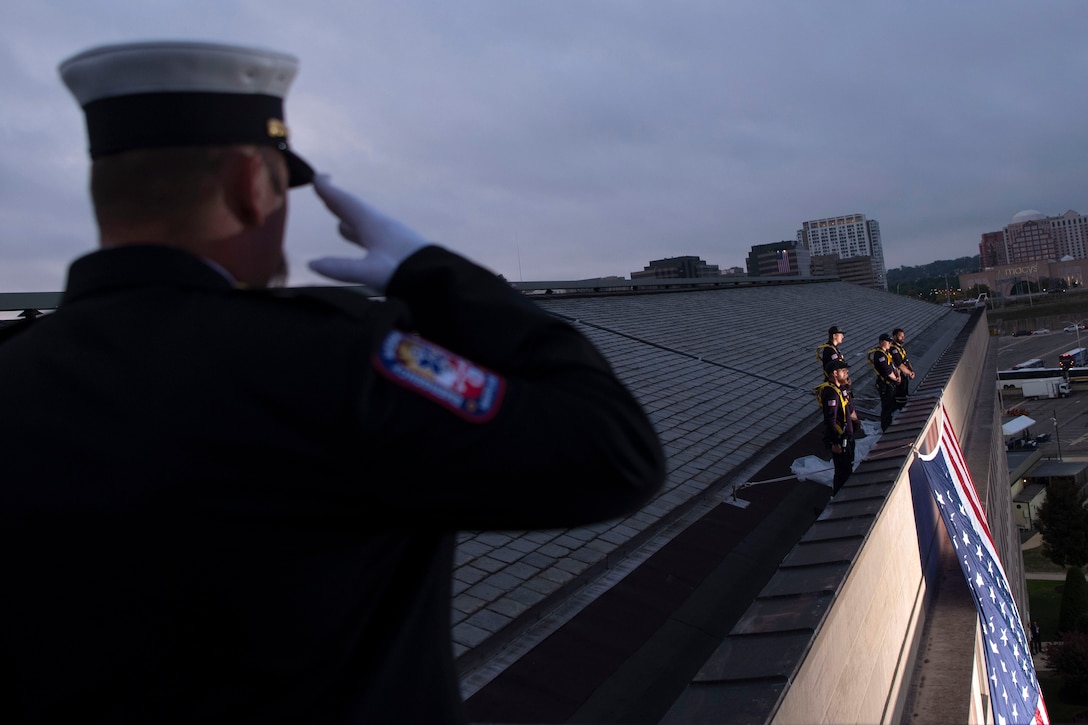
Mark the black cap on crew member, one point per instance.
(837, 365)
(160, 94)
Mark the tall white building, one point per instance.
(851, 235)
(1070, 233)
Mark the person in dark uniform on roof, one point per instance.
(828, 352)
(223, 502)
(840, 422)
(887, 378)
(902, 364)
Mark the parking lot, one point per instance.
(1065, 419)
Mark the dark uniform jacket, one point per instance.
(826, 352)
(885, 367)
(230, 506)
(899, 357)
(838, 410)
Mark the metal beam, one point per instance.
(29, 300)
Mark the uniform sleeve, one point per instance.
(829, 403)
(883, 365)
(525, 424)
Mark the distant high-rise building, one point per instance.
(1070, 232)
(991, 250)
(677, 268)
(1027, 237)
(855, 270)
(781, 259)
(1031, 236)
(851, 235)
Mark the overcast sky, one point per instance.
(568, 139)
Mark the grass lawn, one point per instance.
(1045, 598)
(1045, 601)
(1060, 710)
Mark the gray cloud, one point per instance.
(562, 140)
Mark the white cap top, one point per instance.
(176, 67)
(174, 93)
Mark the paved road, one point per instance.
(1046, 575)
(1065, 419)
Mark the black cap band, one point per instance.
(156, 120)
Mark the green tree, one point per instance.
(1063, 522)
(975, 290)
(1074, 600)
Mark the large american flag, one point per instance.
(783, 257)
(1014, 690)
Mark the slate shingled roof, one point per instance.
(726, 375)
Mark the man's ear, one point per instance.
(250, 191)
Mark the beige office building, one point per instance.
(850, 235)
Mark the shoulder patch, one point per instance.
(458, 384)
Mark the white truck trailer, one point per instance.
(1046, 388)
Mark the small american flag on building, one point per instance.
(783, 258)
(1015, 695)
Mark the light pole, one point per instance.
(1076, 326)
(1057, 435)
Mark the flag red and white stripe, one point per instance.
(783, 257)
(1015, 695)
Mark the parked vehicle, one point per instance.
(979, 301)
(1046, 388)
(1015, 378)
(1021, 333)
(1074, 328)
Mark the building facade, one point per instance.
(1032, 236)
(991, 250)
(687, 267)
(781, 259)
(850, 235)
(855, 270)
(1027, 237)
(1008, 279)
(1070, 232)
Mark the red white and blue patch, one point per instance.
(462, 386)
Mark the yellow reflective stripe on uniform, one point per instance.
(840, 429)
(902, 353)
(887, 357)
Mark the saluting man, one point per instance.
(227, 503)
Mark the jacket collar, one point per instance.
(132, 266)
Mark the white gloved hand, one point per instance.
(387, 242)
